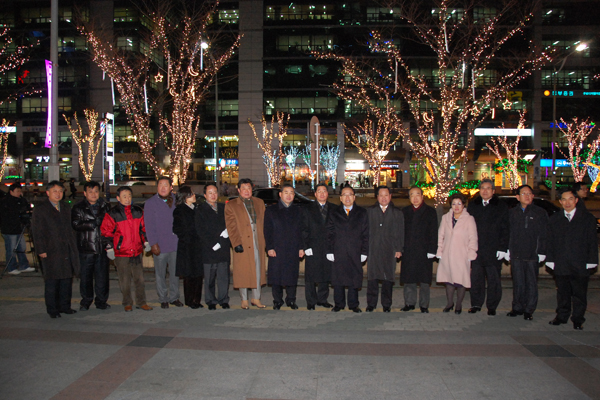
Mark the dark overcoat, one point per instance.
(420, 238)
(283, 233)
(528, 229)
(210, 225)
(53, 235)
(189, 252)
(317, 268)
(572, 244)
(386, 237)
(348, 239)
(492, 228)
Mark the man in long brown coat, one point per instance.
(244, 218)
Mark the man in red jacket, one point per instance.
(125, 235)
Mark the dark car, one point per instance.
(271, 196)
(548, 206)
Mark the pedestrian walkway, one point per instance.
(182, 354)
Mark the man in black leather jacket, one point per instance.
(87, 216)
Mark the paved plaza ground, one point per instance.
(185, 354)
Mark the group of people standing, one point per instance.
(191, 240)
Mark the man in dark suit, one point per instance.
(348, 241)
(55, 243)
(572, 253)
(317, 268)
(491, 217)
(420, 247)
(285, 247)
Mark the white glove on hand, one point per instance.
(589, 266)
(507, 255)
(330, 257)
(541, 257)
(430, 256)
(147, 247)
(225, 234)
(500, 255)
(110, 253)
(216, 247)
(550, 265)
(308, 252)
(363, 258)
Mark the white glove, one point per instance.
(541, 257)
(430, 256)
(308, 252)
(589, 266)
(147, 247)
(550, 265)
(110, 253)
(216, 247)
(363, 258)
(500, 255)
(507, 255)
(330, 257)
(225, 234)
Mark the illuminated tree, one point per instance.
(509, 164)
(168, 77)
(475, 62)
(3, 145)
(330, 156)
(271, 136)
(307, 158)
(580, 154)
(93, 139)
(12, 57)
(291, 155)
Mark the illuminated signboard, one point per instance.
(48, 142)
(108, 125)
(547, 163)
(502, 132)
(9, 129)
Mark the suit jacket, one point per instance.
(420, 238)
(210, 225)
(386, 237)
(492, 228)
(317, 268)
(239, 228)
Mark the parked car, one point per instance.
(548, 206)
(271, 196)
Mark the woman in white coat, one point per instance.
(457, 247)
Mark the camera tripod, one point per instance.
(14, 252)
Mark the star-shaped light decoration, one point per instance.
(158, 77)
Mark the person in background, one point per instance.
(581, 190)
(72, 188)
(14, 216)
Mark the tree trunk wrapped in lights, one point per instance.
(272, 156)
(307, 157)
(93, 139)
(167, 78)
(471, 73)
(330, 156)
(510, 164)
(3, 145)
(374, 140)
(580, 154)
(291, 155)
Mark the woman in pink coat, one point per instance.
(457, 247)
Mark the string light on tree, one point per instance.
(307, 158)
(291, 155)
(509, 164)
(272, 134)
(330, 156)
(93, 139)
(3, 145)
(13, 57)
(580, 152)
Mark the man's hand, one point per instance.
(239, 249)
(301, 253)
(363, 258)
(398, 254)
(43, 255)
(500, 255)
(147, 247)
(224, 234)
(155, 249)
(330, 257)
(272, 253)
(541, 257)
(110, 253)
(216, 247)
(308, 252)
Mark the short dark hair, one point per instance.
(184, 193)
(348, 187)
(51, 184)
(416, 187)
(286, 185)
(378, 188)
(243, 181)
(321, 184)
(165, 178)
(124, 188)
(486, 180)
(210, 184)
(577, 186)
(14, 186)
(569, 190)
(91, 185)
(518, 191)
(458, 195)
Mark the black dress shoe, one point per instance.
(527, 316)
(326, 305)
(177, 303)
(69, 311)
(387, 309)
(513, 313)
(212, 307)
(84, 308)
(491, 312)
(408, 308)
(54, 315)
(293, 306)
(103, 306)
(336, 309)
(425, 310)
(356, 310)
(276, 306)
(225, 306)
(557, 321)
(310, 307)
(577, 326)
(194, 306)
(474, 310)
(369, 309)
(448, 309)
(457, 312)
(164, 305)
(200, 305)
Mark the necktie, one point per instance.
(485, 203)
(323, 212)
(569, 216)
(347, 211)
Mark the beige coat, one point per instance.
(456, 249)
(240, 232)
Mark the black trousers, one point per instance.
(373, 293)
(316, 293)
(339, 297)
(479, 273)
(57, 293)
(290, 294)
(93, 277)
(192, 291)
(572, 289)
(525, 289)
(216, 275)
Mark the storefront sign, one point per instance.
(547, 163)
(502, 132)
